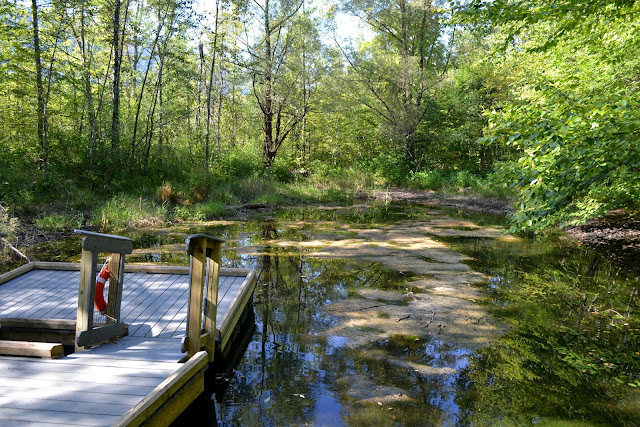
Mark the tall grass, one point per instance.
(122, 212)
(457, 182)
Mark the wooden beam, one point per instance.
(150, 405)
(194, 239)
(28, 348)
(106, 243)
(9, 275)
(176, 405)
(238, 305)
(204, 340)
(39, 335)
(129, 268)
(60, 324)
(101, 334)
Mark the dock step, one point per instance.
(31, 349)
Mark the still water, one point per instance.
(403, 315)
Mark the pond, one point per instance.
(412, 315)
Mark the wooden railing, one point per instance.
(205, 253)
(88, 334)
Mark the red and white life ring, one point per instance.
(101, 280)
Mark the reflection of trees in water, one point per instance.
(278, 367)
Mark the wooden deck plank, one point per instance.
(92, 360)
(163, 316)
(23, 367)
(89, 376)
(55, 395)
(47, 287)
(153, 350)
(176, 327)
(133, 284)
(73, 407)
(69, 308)
(110, 379)
(31, 290)
(18, 282)
(8, 415)
(136, 301)
(224, 287)
(170, 291)
(72, 387)
(232, 295)
(51, 294)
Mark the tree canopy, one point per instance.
(542, 97)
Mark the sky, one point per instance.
(348, 27)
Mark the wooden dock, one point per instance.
(129, 380)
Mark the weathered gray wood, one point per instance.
(85, 372)
(93, 376)
(163, 309)
(63, 386)
(193, 246)
(16, 272)
(60, 324)
(101, 334)
(54, 417)
(106, 243)
(29, 403)
(56, 396)
(157, 302)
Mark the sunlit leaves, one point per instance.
(573, 115)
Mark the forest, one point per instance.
(182, 108)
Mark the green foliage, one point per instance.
(126, 212)
(456, 182)
(572, 118)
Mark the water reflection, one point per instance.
(574, 332)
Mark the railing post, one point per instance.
(92, 245)
(205, 252)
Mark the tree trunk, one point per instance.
(86, 74)
(213, 64)
(117, 62)
(268, 152)
(144, 83)
(41, 113)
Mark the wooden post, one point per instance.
(211, 306)
(116, 271)
(206, 253)
(194, 320)
(86, 292)
(92, 245)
